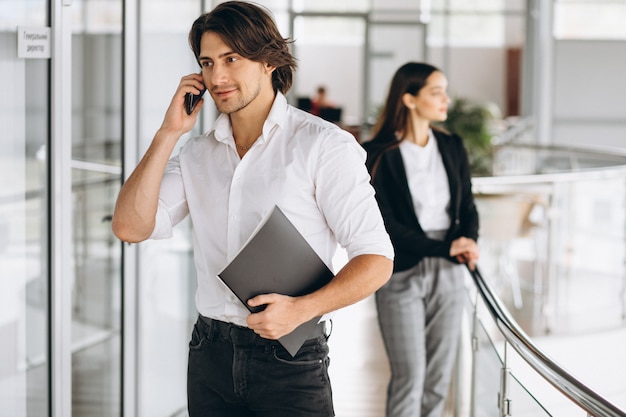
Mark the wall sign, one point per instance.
(33, 42)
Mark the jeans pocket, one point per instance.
(198, 337)
(313, 353)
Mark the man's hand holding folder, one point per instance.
(280, 317)
(271, 276)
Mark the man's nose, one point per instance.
(218, 74)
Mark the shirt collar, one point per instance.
(223, 130)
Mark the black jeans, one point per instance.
(233, 372)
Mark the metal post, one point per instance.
(474, 350)
(504, 403)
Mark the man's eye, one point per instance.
(231, 59)
(206, 64)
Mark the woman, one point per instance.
(423, 186)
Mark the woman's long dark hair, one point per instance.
(252, 33)
(409, 78)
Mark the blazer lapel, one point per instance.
(398, 173)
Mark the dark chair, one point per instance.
(304, 103)
(332, 114)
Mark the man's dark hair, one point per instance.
(252, 33)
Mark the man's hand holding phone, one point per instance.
(191, 100)
(177, 120)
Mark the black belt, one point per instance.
(240, 335)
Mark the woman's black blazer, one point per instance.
(410, 242)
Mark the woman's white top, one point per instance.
(428, 183)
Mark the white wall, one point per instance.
(478, 74)
(589, 93)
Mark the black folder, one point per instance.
(277, 259)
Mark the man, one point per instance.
(260, 153)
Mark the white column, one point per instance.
(61, 259)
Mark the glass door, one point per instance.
(32, 323)
(391, 44)
(332, 58)
(96, 45)
(24, 260)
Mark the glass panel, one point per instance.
(530, 394)
(589, 256)
(398, 5)
(510, 225)
(331, 6)
(467, 30)
(523, 403)
(487, 367)
(478, 5)
(96, 161)
(322, 58)
(24, 230)
(166, 272)
(279, 9)
(391, 46)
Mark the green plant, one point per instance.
(471, 121)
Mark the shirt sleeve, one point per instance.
(346, 198)
(172, 206)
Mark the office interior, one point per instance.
(93, 327)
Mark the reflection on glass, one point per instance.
(486, 379)
(23, 221)
(523, 403)
(96, 159)
(341, 41)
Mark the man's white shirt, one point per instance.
(313, 170)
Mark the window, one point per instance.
(590, 19)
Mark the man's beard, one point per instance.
(238, 102)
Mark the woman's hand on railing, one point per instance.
(466, 251)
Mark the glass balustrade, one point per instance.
(552, 256)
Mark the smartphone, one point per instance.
(191, 100)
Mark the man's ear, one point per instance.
(269, 68)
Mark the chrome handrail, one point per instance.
(566, 383)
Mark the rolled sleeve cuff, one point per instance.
(372, 243)
(163, 228)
